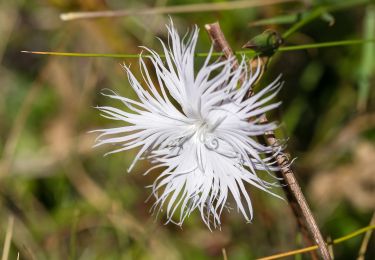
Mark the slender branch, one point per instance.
(293, 191)
(296, 198)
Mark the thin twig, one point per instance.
(202, 7)
(293, 191)
(219, 42)
(366, 240)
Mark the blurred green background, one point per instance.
(70, 202)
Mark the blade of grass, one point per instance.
(8, 238)
(366, 240)
(111, 55)
(325, 44)
(224, 252)
(367, 61)
(308, 18)
(311, 248)
(79, 54)
(251, 53)
(190, 8)
(73, 236)
(281, 19)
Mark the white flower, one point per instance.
(198, 128)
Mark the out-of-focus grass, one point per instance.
(367, 60)
(71, 202)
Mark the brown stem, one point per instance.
(292, 189)
(219, 41)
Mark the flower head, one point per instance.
(198, 128)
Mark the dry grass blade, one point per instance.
(17, 127)
(312, 248)
(225, 257)
(190, 8)
(99, 199)
(8, 238)
(8, 21)
(117, 216)
(20, 120)
(366, 240)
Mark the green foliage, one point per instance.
(70, 202)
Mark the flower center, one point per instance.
(204, 134)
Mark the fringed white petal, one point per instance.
(198, 127)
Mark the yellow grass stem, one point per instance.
(312, 248)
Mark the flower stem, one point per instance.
(293, 191)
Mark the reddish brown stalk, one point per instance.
(296, 199)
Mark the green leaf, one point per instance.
(320, 11)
